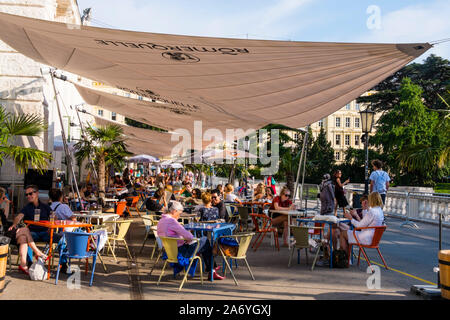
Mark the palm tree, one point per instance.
(106, 145)
(29, 125)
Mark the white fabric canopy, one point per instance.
(227, 83)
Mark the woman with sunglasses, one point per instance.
(282, 202)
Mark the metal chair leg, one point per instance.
(290, 257)
(249, 270)
(162, 273)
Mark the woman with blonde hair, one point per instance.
(259, 192)
(373, 218)
(229, 196)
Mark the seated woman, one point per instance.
(118, 183)
(157, 202)
(259, 192)
(282, 202)
(220, 189)
(374, 217)
(229, 196)
(61, 209)
(168, 226)
(208, 212)
(268, 197)
(24, 239)
(87, 192)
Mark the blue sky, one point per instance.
(401, 21)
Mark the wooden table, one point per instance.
(57, 224)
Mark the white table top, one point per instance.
(110, 200)
(95, 215)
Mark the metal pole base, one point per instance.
(427, 292)
(410, 224)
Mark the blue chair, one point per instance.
(77, 243)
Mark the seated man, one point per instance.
(168, 226)
(187, 191)
(87, 192)
(219, 204)
(38, 234)
(61, 209)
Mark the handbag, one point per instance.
(340, 259)
(38, 271)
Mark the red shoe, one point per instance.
(217, 268)
(216, 276)
(23, 270)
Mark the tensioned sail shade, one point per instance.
(141, 141)
(223, 80)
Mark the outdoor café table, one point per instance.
(57, 224)
(330, 224)
(98, 216)
(289, 213)
(216, 230)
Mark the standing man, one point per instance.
(379, 180)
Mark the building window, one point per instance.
(338, 139)
(100, 112)
(347, 122)
(357, 140)
(347, 139)
(357, 106)
(338, 122)
(140, 98)
(320, 123)
(356, 122)
(337, 155)
(113, 116)
(347, 107)
(295, 136)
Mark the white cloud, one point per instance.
(419, 23)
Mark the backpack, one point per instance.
(340, 259)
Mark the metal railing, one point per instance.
(414, 206)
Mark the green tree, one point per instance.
(320, 158)
(13, 126)
(107, 145)
(404, 128)
(433, 76)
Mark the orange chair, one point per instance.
(378, 233)
(134, 201)
(263, 224)
(120, 208)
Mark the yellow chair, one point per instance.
(244, 240)
(149, 221)
(158, 244)
(301, 236)
(171, 249)
(122, 227)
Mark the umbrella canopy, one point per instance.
(227, 155)
(143, 158)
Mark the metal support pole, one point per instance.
(366, 165)
(66, 149)
(305, 139)
(440, 248)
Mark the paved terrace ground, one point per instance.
(407, 250)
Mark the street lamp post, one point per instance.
(247, 149)
(367, 119)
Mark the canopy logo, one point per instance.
(154, 46)
(181, 57)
